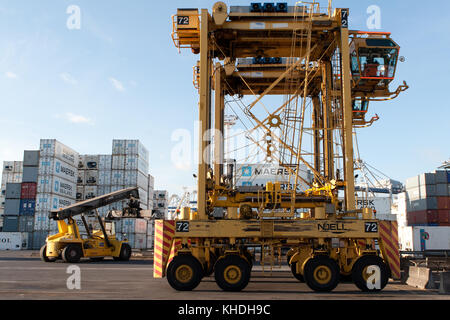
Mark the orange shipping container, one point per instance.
(443, 203)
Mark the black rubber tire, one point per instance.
(125, 253)
(189, 261)
(43, 254)
(238, 262)
(315, 263)
(97, 259)
(297, 276)
(248, 256)
(361, 264)
(72, 253)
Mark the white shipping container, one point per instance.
(56, 185)
(105, 162)
(118, 162)
(382, 206)
(41, 221)
(135, 147)
(90, 192)
(132, 225)
(81, 180)
(91, 177)
(424, 238)
(8, 166)
(151, 182)
(80, 193)
(55, 167)
(137, 241)
(81, 162)
(18, 166)
(91, 162)
(13, 241)
(135, 162)
(150, 242)
(117, 178)
(118, 147)
(102, 190)
(134, 178)
(104, 178)
(49, 202)
(54, 148)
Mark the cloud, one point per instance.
(11, 75)
(117, 84)
(75, 118)
(67, 77)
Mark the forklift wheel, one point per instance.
(72, 254)
(125, 253)
(43, 254)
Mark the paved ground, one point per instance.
(24, 276)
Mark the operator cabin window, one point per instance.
(378, 62)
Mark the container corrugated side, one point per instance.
(55, 167)
(57, 185)
(54, 148)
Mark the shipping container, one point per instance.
(102, 190)
(137, 241)
(118, 147)
(12, 207)
(424, 238)
(422, 204)
(13, 190)
(104, 178)
(57, 185)
(49, 202)
(13, 241)
(91, 177)
(105, 162)
(92, 162)
(80, 193)
(8, 166)
(417, 218)
(31, 158)
(26, 224)
(422, 192)
(28, 190)
(135, 147)
(131, 226)
(134, 162)
(90, 192)
(81, 162)
(427, 179)
(118, 162)
(27, 207)
(30, 174)
(134, 178)
(54, 149)
(81, 178)
(444, 216)
(441, 177)
(10, 223)
(55, 167)
(117, 178)
(18, 166)
(379, 205)
(39, 239)
(442, 190)
(42, 221)
(443, 203)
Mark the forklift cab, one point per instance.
(373, 60)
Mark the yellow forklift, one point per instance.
(70, 246)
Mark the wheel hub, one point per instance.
(232, 274)
(322, 274)
(184, 273)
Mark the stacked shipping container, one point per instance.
(161, 203)
(428, 199)
(12, 173)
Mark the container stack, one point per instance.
(57, 184)
(129, 168)
(12, 173)
(161, 203)
(427, 199)
(12, 207)
(151, 191)
(29, 191)
(134, 230)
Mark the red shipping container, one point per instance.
(444, 216)
(432, 216)
(443, 203)
(421, 217)
(29, 190)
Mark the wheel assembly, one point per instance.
(297, 276)
(322, 274)
(43, 255)
(232, 273)
(370, 274)
(184, 273)
(72, 253)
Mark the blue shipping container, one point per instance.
(27, 207)
(10, 224)
(448, 177)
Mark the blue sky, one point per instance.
(120, 76)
